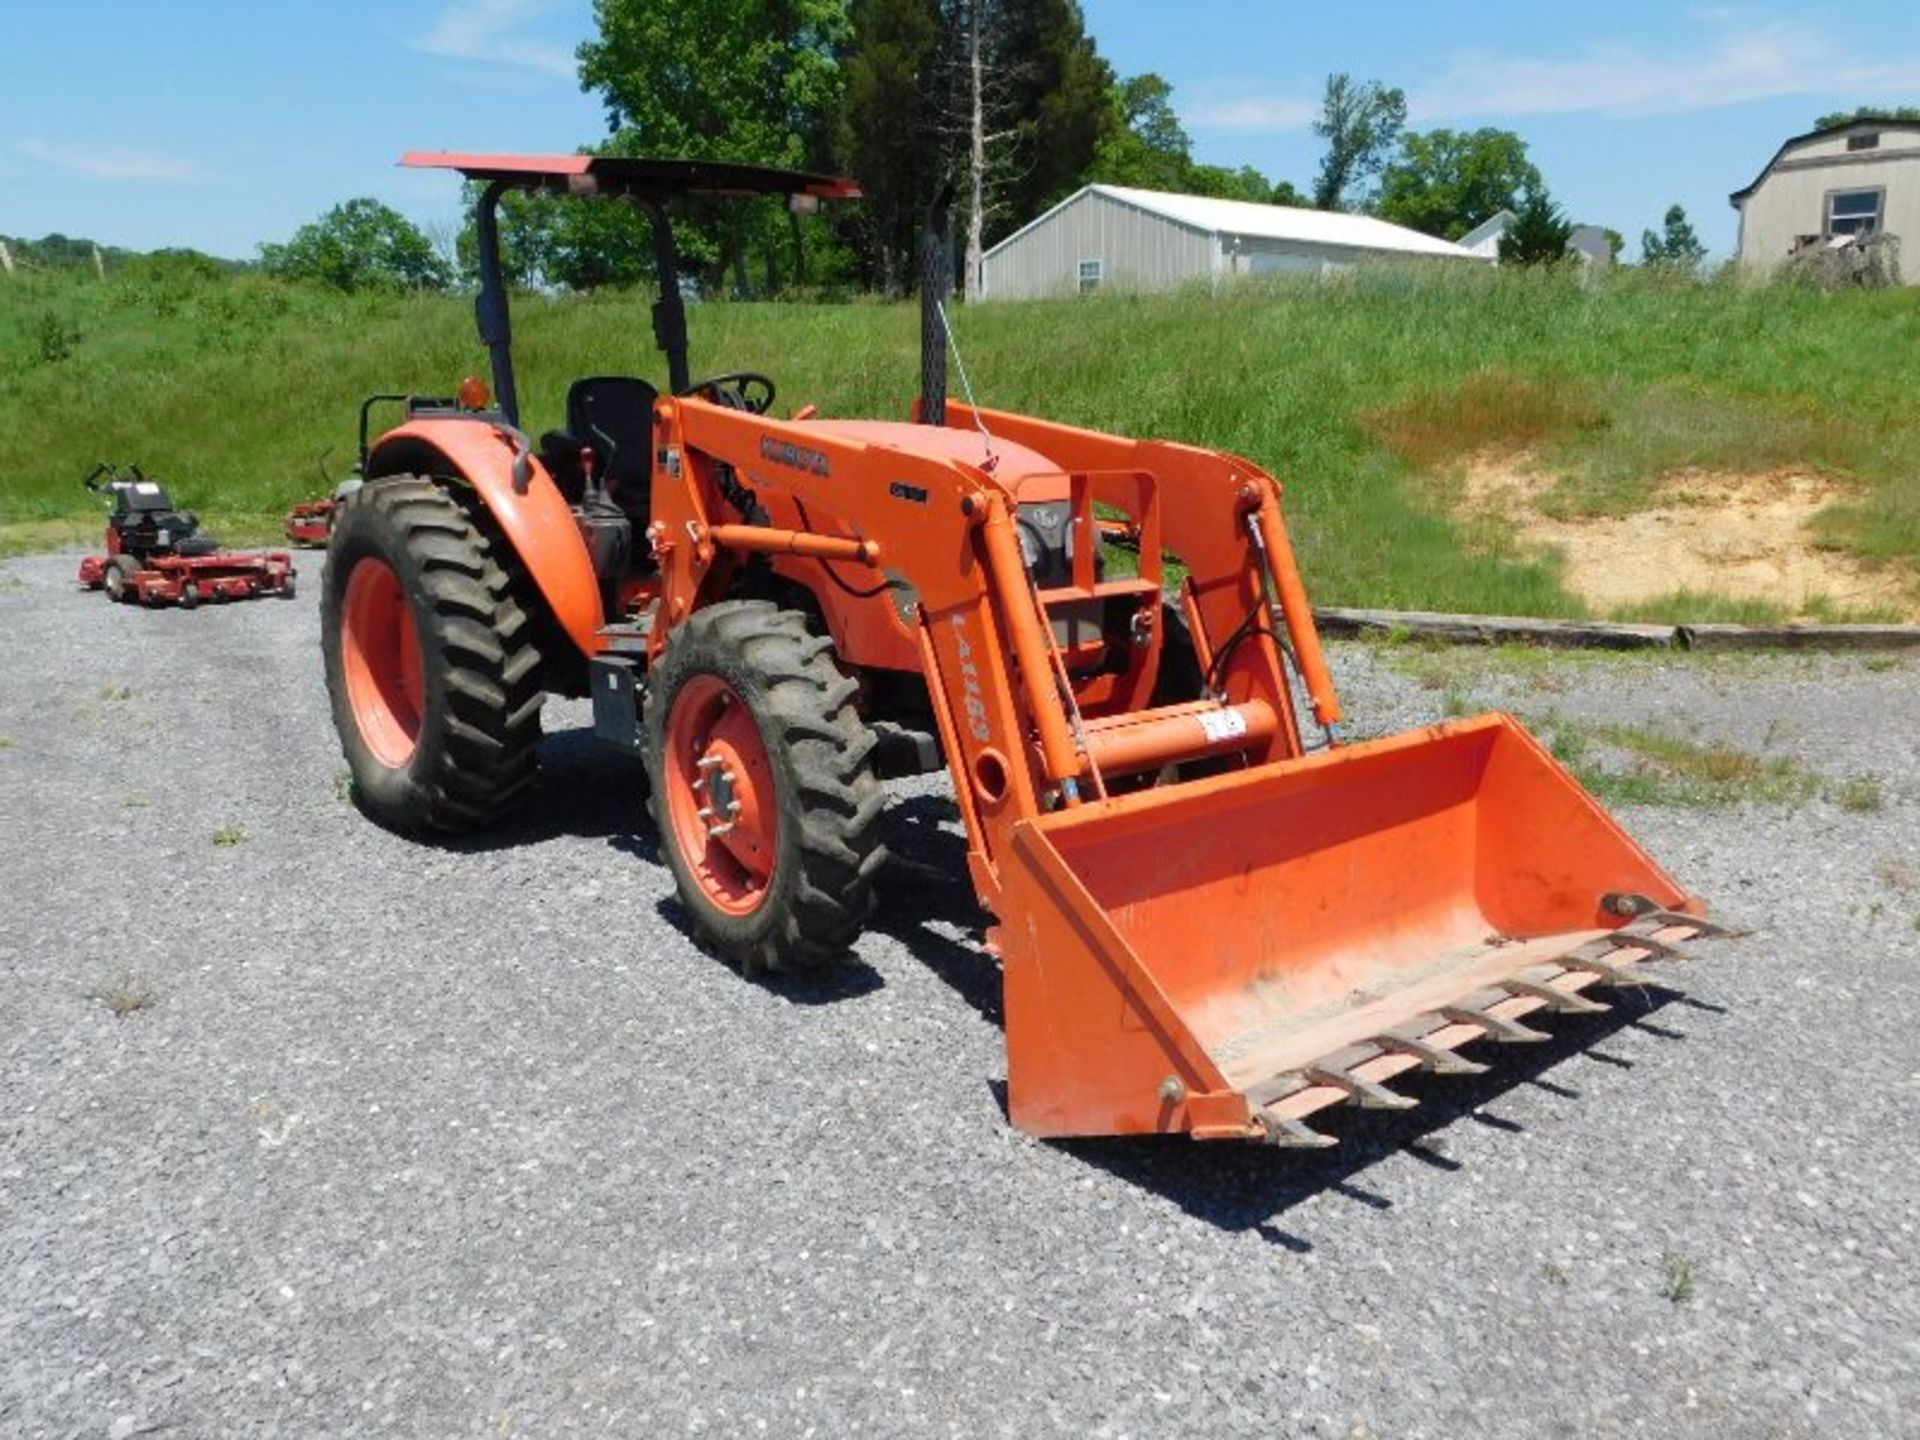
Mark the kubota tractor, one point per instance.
(1215, 915)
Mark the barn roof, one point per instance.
(1265, 222)
(1862, 122)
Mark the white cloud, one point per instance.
(1259, 114)
(107, 163)
(1761, 64)
(485, 30)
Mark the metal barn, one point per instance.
(1114, 237)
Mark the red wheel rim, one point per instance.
(380, 652)
(720, 794)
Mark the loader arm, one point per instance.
(1021, 738)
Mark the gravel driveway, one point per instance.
(472, 1140)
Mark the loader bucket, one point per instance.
(1227, 955)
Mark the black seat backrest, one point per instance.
(617, 408)
(142, 497)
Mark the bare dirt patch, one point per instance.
(1741, 536)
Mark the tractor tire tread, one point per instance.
(478, 621)
(832, 802)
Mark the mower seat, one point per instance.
(145, 514)
(617, 409)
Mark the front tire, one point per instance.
(119, 582)
(427, 628)
(763, 789)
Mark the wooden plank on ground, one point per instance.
(1800, 637)
(1496, 629)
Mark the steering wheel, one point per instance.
(730, 390)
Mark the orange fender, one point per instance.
(538, 522)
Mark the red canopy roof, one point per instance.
(608, 175)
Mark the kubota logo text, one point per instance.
(799, 457)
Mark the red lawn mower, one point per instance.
(159, 555)
(310, 523)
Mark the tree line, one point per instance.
(1009, 99)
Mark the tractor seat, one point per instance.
(617, 409)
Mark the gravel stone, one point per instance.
(472, 1139)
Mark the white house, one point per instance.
(1847, 182)
(1106, 236)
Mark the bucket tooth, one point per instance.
(1435, 1058)
(1609, 973)
(1710, 929)
(1665, 949)
(1289, 1134)
(1566, 1001)
(1368, 1094)
(1641, 911)
(1498, 1027)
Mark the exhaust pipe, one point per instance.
(936, 283)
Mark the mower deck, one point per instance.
(311, 523)
(187, 580)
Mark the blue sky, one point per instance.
(220, 124)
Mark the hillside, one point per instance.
(1382, 400)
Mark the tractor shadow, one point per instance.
(1251, 1188)
(929, 899)
(586, 789)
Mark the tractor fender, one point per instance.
(537, 521)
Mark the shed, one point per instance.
(1849, 182)
(1112, 236)
(1484, 239)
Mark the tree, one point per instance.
(1445, 182)
(1868, 112)
(1054, 99)
(1246, 183)
(359, 245)
(753, 81)
(1360, 123)
(886, 131)
(1149, 147)
(1676, 246)
(1539, 233)
(1021, 105)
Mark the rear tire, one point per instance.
(427, 628)
(792, 888)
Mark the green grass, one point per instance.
(1860, 793)
(1676, 1278)
(1636, 764)
(242, 393)
(124, 994)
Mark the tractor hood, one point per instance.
(1027, 474)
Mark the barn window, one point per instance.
(1854, 212)
(1091, 273)
(1868, 141)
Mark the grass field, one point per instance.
(1356, 393)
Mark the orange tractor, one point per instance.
(1215, 915)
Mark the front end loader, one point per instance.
(1216, 915)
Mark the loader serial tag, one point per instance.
(1223, 725)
